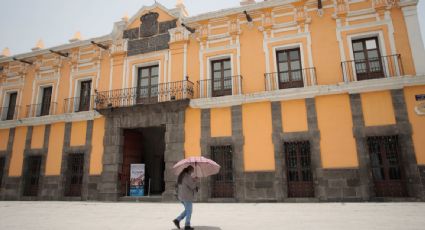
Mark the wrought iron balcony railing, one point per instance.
(231, 85)
(290, 79)
(78, 104)
(9, 113)
(171, 91)
(42, 109)
(372, 68)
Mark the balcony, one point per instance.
(231, 85)
(290, 79)
(372, 68)
(42, 109)
(9, 114)
(172, 91)
(77, 104)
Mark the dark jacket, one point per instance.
(186, 190)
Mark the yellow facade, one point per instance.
(337, 144)
(17, 158)
(54, 155)
(288, 55)
(257, 128)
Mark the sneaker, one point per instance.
(176, 223)
(188, 228)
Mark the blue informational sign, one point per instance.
(420, 97)
(137, 180)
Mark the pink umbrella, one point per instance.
(203, 167)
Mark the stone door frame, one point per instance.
(171, 114)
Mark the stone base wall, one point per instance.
(422, 173)
(11, 189)
(259, 187)
(338, 185)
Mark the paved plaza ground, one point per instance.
(207, 216)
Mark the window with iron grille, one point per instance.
(222, 183)
(298, 169)
(75, 172)
(32, 175)
(2, 163)
(386, 166)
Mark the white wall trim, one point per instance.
(415, 38)
(44, 120)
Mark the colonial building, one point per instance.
(295, 99)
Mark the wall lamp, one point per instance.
(60, 53)
(99, 45)
(248, 17)
(23, 61)
(190, 29)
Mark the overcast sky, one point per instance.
(24, 22)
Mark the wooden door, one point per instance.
(298, 169)
(75, 173)
(32, 175)
(289, 66)
(147, 89)
(222, 184)
(132, 155)
(221, 78)
(367, 58)
(386, 167)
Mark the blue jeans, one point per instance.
(186, 213)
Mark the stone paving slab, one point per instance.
(207, 216)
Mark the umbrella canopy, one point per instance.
(203, 167)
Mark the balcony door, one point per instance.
(289, 68)
(45, 101)
(12, 106)
(147, 86)
(367, 59)
(221, 78)
(85, 91)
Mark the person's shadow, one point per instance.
(202, 228)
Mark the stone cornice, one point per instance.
(44, 120)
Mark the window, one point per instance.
(85, 92)
(32, 176)
(2, 164)
(221, 78)
(11, 107)
(45, 101)
(75, 174)
(367, 58)
(147, 85)
(289, 68)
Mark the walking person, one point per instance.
(186, 194)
